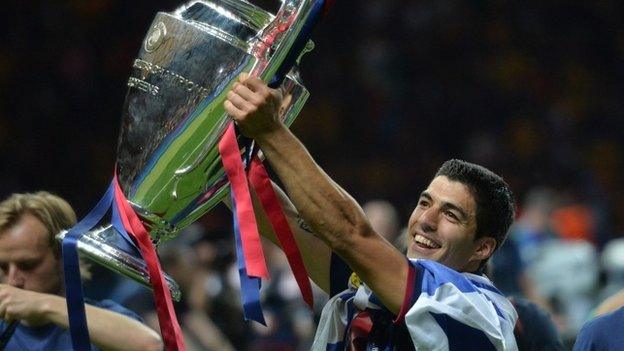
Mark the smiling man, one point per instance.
(437, 297)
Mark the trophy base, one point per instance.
(106, 247)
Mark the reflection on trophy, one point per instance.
(168, 163)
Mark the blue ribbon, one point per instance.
(73, 285)
(250, 286)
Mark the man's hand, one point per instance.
(29, 307)
(254, 106)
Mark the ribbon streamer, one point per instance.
(262, 184)
(250, 286)
(250, 257)
(71, 268)
(169, 326)
(250, 238)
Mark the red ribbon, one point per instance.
(360, 328)
(260, 180)
(250, 238)
(169, 326)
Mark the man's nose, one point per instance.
(15, 277)
(429, 219)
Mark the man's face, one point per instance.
(27, 259)
(443, 225)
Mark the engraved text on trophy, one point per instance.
(164, 74)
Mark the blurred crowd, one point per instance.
(531, 89)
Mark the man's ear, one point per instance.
(484, 248)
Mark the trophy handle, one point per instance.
(285, 38)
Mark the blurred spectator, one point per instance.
(510, 264)
(603, 333)
(558, 272)
(611, 304)
(612, 261)
(534, 329)
(290, 323)
(574, 222)
(567, 274)
(533, 226)
(384, 219)
(200, 331)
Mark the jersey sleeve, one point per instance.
(444, 310)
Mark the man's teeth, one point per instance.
(426, 242)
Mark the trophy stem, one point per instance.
(98, 246)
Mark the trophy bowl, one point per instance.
(168, 163)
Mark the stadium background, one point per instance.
(531, 89)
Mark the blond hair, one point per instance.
(51, 210)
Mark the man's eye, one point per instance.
(451, 215)
(26, 266)
(423, 203)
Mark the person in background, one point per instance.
(32, 289)
(384, 219)
(603, 333)
(535, 330)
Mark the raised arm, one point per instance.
(108, 330)
(329, 210)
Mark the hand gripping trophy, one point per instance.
(169, 169)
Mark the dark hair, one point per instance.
(494, 199)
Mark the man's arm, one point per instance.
(329, 210)
(108, 330)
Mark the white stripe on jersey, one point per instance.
(470, 308)
(333, 323)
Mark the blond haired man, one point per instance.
(32, 290)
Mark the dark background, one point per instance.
(531, 89)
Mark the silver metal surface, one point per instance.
(168, 163)
(99, 246)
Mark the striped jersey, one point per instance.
(442, 310)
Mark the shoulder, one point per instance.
(603, 328)
(606, 321)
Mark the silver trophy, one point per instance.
(168, 162)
